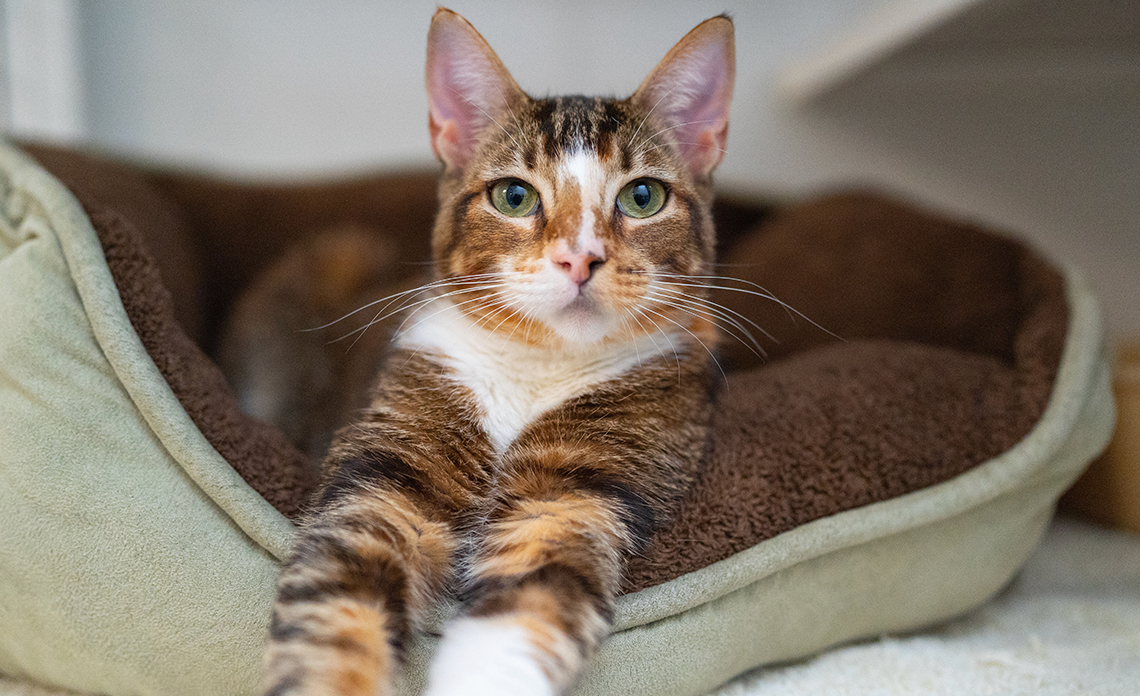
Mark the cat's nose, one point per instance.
(579, 265)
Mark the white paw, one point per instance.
(486, 657)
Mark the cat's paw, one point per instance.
(487, 657)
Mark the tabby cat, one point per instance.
(545, 400)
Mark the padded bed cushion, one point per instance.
(880, 483)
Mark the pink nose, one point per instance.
(578, 265)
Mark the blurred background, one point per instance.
(1024, 114)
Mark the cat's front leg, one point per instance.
(542, 585)
(366, 564)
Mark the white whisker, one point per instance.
(764, 293)
(392, 297)
(696, 338)
(705, 314)
(512, 313)
(419, 304)
(381, 316)
(727, 313)
(450, 305)
(641, 311)
(525, 320)
(400, 328)
(633, 338)
(458, 280)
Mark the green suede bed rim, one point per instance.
(133, 365)
(1076, 383)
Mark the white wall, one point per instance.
(288, 88)
(41, 80)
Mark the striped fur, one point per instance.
(542, 408)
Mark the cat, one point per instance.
(545, 400)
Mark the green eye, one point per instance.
(641, 198)
(514, 198)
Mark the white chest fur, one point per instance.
(513, 384)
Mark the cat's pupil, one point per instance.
(515, 194)
(641, 195)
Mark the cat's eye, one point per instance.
(514, 198)
(641, 198)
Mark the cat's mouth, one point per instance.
(581, 320)
(580, 304)
(578, 313)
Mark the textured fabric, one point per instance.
(136, 559)
(120, 571)
(954, 335)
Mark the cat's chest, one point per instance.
(513, 384)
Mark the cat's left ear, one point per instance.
(468, 87)
(690, 90)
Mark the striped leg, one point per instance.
(362, 571)
(541, 591)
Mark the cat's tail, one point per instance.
(279, 347)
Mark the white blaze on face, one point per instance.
(585, 169)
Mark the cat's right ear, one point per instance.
(468, 87)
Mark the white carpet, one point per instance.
(1069, 626)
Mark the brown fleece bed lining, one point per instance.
(953, 337)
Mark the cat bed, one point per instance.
(877, 484)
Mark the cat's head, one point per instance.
(570, 215)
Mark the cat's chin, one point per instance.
(579, 323)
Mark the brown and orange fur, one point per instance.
(582, 323)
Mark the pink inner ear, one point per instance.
(690, 92)
(467, 86)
